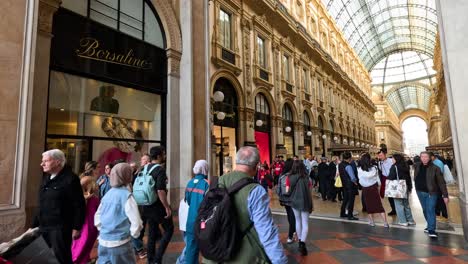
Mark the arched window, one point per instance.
(136, 18)
(261, 104)
(287, 113)
(306, 119)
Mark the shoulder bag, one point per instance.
(396, 188)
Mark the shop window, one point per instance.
(225, 29)
(94, 120)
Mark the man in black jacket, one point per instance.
(324, 179)
(61, 205)
(350, 186)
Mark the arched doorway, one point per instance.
(307, 134)
(415, 135)
(288, 124)
(263, 128)
(225, 117)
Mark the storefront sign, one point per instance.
(84, 47)
(91, 48)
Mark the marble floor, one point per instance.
(334, 242)
(330, 210)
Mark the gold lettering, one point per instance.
(90, 49)
(90, 45)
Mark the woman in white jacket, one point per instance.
(368, 178)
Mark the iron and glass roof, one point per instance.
(395, 40)
(378, 28)
(408, 97)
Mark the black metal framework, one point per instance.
(121, 18)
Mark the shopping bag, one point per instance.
(338, 183)
(396, 188)
(448, 177)
(183, 214)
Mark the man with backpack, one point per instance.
(158, 211)
(235, 224)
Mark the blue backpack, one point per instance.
(143, 189)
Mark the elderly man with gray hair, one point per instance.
(261, 244)
(61, 205)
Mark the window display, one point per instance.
(117, 123)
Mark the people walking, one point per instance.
(368, 178)
(82, 247)
(324, 179)
(194, 194)
(160, 212)
(385, 164)
(118, 219)
(285, 199)
(299, 184)
(261, 243)
(400, 170)
(61, 205)
(104, 181)
(429, 181)
(350, 186)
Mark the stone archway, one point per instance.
(414, 113)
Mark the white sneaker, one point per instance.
(289, 241)
(403, 224)
(412, 223)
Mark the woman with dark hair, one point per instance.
(299, 185)
(285, 199)
(401, 171)
(368, 178)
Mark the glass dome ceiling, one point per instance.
(378, 28)
(402, 66)
(395, 40)
(408, 97)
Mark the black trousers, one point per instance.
(363, 202)
(291, 220)
(60, 240)
(331, 190)
(154, 234)
(324, 186)
(348, 202)
(441, 208)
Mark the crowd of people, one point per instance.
(115, 208)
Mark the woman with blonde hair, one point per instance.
(118, 219)
(81, 247)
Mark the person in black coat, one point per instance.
(333, 191)
(324, 179)
(61, 205)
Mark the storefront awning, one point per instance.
(441, 146)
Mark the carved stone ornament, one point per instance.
(47, 8)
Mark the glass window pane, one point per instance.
(261, 52)
(225, 28)
(105, 12)
(77, 6)
(153, 32)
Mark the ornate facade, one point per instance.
(291, 55)
(387, 126)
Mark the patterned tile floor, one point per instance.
(344, 242)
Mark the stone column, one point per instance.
(299, 139)
(47, 8)
(452, 20)
(16, 72)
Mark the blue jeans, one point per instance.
(403, 210)
(428, 204)
(120, 254)
(181, 258)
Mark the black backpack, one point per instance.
(216, 229)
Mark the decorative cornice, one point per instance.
(47, 8)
